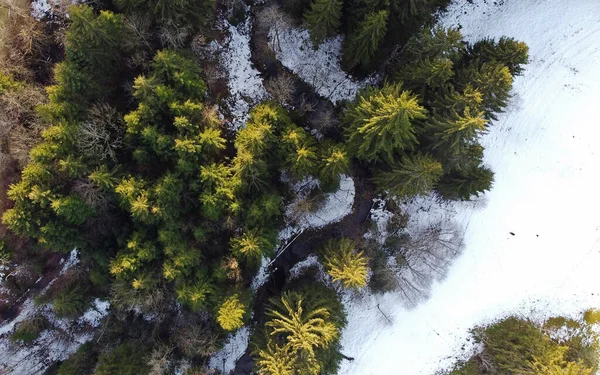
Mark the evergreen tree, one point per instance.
(433, 73)
(454, 130)
(303, 328)
(276, 360)
(380, 122)
(231, 314)
(493, 80)
(462, 185)
(507, 51)
(366, 39)
(323, 19)
(335, 162)
(344, 264)
(433, 43)
(415, 175)
(252, 245)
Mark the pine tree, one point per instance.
(507, 51)
(335, 162)
(323, 19)
(231, 314)
(366, 39)
(252, 245)
(344, 264)
(493, 80)
(380, 122)
(433, 73)
(304, 329)
(415, 175)
(462, 185)
(275, 360)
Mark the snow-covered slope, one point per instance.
(546, 155)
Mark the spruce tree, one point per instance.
(452, 132)
(252, 245)
(463, 185)
(304, 329)
(344, 264)
(366, 39)
(381, 122)
(231, 314)
(433, 73)
(335, 162)
(506, 51)
(413, 176)
(493, 80)
(323, 19)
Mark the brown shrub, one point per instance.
(21, 38)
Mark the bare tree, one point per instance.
(417, 260)
(101, 135)
(273, 19)
(91, 194)
(174, 36)
(426, 256)
(195, 338)
(281, 87)
(139, 40)
(323, 118)
(160, 359)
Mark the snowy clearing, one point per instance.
(318, 67)
(335, 207)
(234, 348)
(245, 83)
(544, 153)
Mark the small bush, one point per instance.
(70, 302)
(79, 363)
(125, 359)
(29, 330)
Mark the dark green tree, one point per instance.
(464, 184)
(413, 176)
(506, 51)
(323, 19)
(362, 43)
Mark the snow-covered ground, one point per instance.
(52, 345)
(545, 152)
(245, 83)
(320, 67)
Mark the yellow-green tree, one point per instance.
(296, 330)
(231, 314)
(344, 264)
(381, 122)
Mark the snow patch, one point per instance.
(94, 315)
(41, 8)
(234, 348)
(262, 275)
(335, 207)
(245, 83)
(318, 67)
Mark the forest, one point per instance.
(116, 148)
